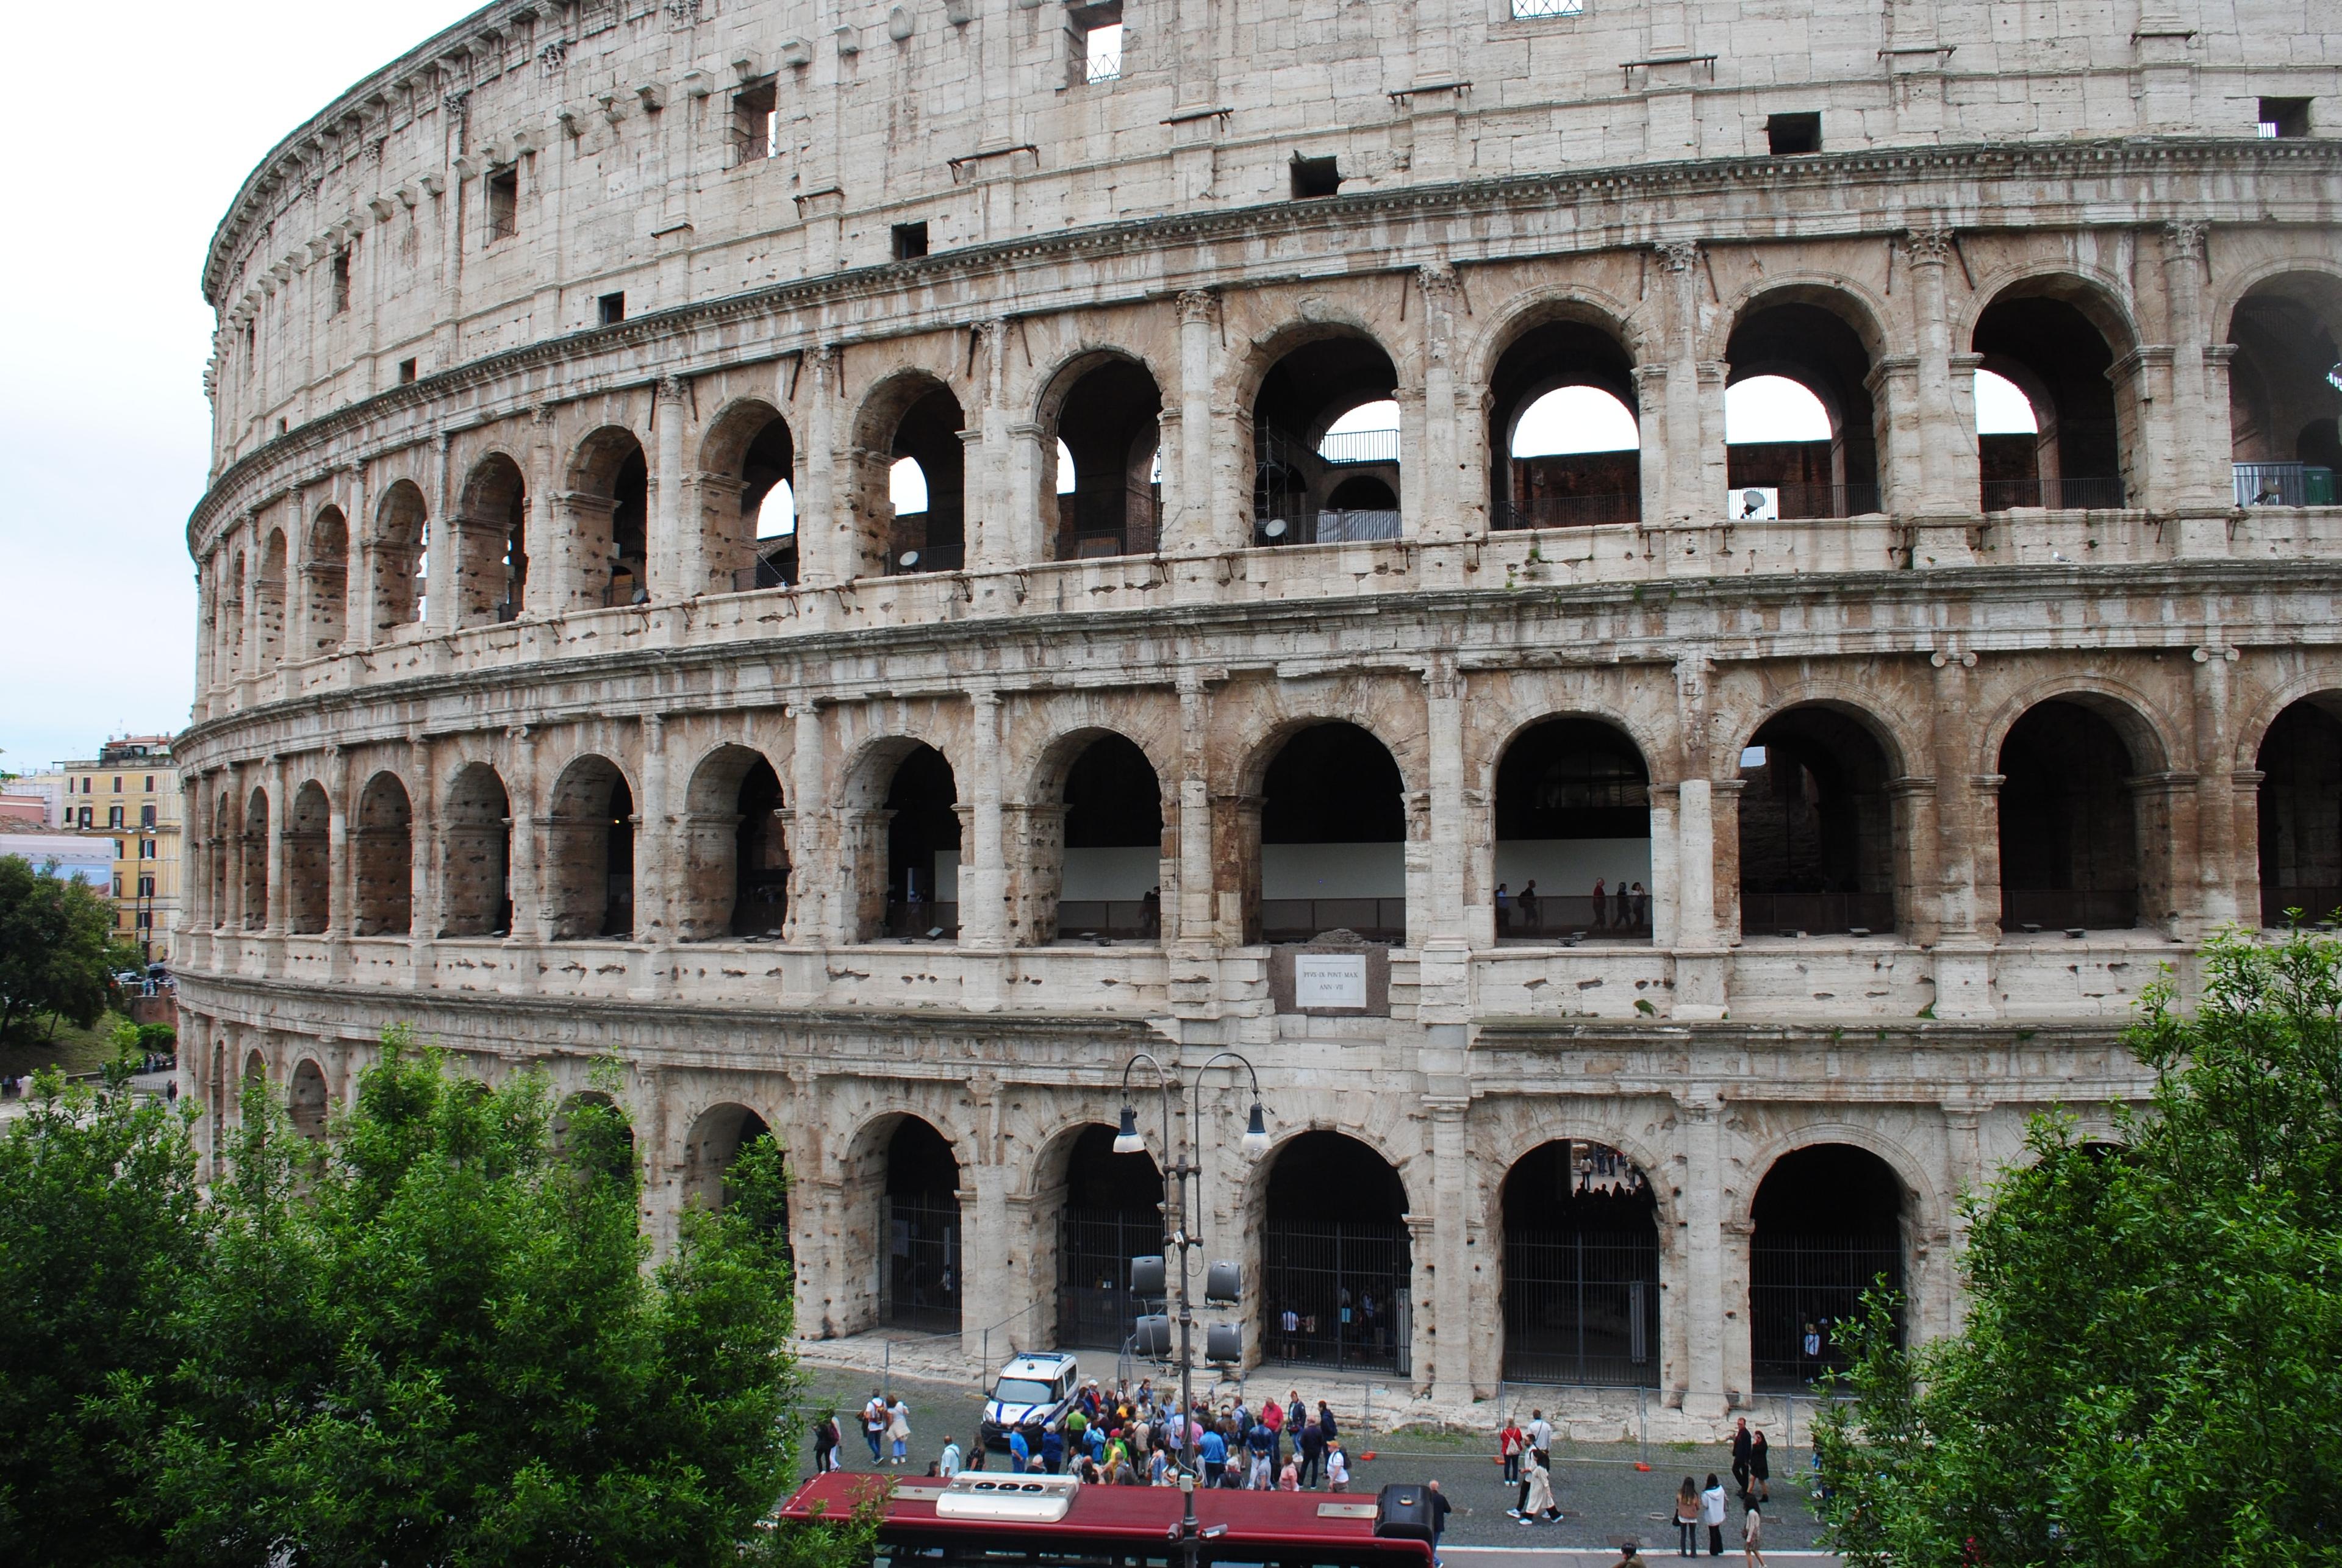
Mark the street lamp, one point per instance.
(1183, 1231)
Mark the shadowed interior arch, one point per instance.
(1335, 1261)
(1829, 1224)
(2300, 793)
(1581, 1268)
(1573, 815)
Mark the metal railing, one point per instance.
(1801, 1291)
(1569, 915)
(1566, 512)
(1581, 1309)
(1299, 919)
(1360, 446)
(1803, 503)
(2068, 909)
(949, 557)
(1125, 919)
(1815, 913)
(1305, 525)
(905, 919)
(1346, 1286)
(2318, 905)
(765, 574)
(2284, 485)
(2057, 495)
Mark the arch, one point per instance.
(1557, 348)
(593, 1131)
(225, 829)
(401, 527)
(748, 453)
(1827, 1220)
(2299, 759)
(1553, 303)
(1573, 811)
(1330, 816)
(308, 890)
(1826, 338)
(231, 617)
(1818, 825)
(476, 851)
(253, 855)
(717, 1138)
(491, 528)
(1105, 407)
(308, 1100)
(2287, 328)
(902, 798)
(1335, 1259)
(918, 1220)
(609, 507)
(589, 863)
(268, 602)
(382, 850)
(914, 415)
(1098, 841)
(2067, 334)
(2077, 849)
(327, 567)
(736, 870)
(252, 1097)
(1580, 1267)
(1108, 1209)
(1301, 380)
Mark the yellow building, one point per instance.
(130, 793)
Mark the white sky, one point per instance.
(102, 423)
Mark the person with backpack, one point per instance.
(873, 1426)
(1509, 1444)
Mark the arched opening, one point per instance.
(1573, 834)
(2017, 431)
(268, 604)
(589, 868)
(1335, 1270)
(919, 1271)
(1333, 839)
(2282, 394)
(308, 1100)
(1306, 443)
(1581, 1268)
(401, 525)
(308, 884)
(609, 502)
(383, 843)
(328, 570)
(1816, 827)
(2069, 837)
(1827, 1226)
(2301, 764)
(253, 1099)
(747, 492)
(1791, 356)
(1106, 424)
(591, 1131)
(735, 876)
(2047, 347)
(1112, 1213)
(1563, 448)
(230, 613)
(254, 857)
(914, 432)
(922, 849)
(492, 543)
(476, 874)
(223, 833)
(718, 1140)
(1110, 884)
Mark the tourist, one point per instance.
(1052, 1448)
(873, 1426)
(898, 1428)
(1212, 1454)
(1540, 1434)
(1338, 1466)
(1688, 1519)
(1711, 1514)
(1618, 919)
(1629, 1553)
(1325, 1422)
(947, 1464)
(1601, 895)
(1740, 1454)
(1440, 1508)
(1504, 910)
(1761, 1465)
(1538, 1506)
(1020, 1451)
(1530, 921)
(1641, 910)
(1290, 1478)
(826, 1440)
(1297, 1414)
(1752, 1533)
(1509, 1444)
(1310, 1448)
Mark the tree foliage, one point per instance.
(2151, 1369)
(430, 1339)
(57, 949)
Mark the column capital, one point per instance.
(1439, 282)
(2183, 239)
(1198, 306)
(671, 389)
(1930, 247)
(1677, 255)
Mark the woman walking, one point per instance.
(1760, 1466)
(1688, 1519)
(898, 1429)
(1540, 1508)
(1752, 1533)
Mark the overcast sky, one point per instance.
(128, 131)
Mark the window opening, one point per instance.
(504, 203)
(1789, 134)
(2285, 118)
(1314, 178)
(910, 241)
(340, 280)
(1101, 52)
(756, 121)
(408, 371)
(1537, 10)
(611, 308)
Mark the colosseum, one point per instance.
(879, 572)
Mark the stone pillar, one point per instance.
(984, 873)
(1694, 495)
(992, 476)
(813, 870)
(1197, 528)
(2202, 486)
(524, 867)
(1918, 904)
(1984, 846)
(341, 874)
(1199, 903)
(1705, 1300)
(654, 841)
(1652, 419)
(824, 557)
(1432, 507)
(676, 563)
(358, 629)
(1947, 489)
(545, 590)
(2219, 849)
(1667, 876)
(2245, 839)
(579, 575)
(1449, 1372)
(444, 546)
(276, 921)
(427, 901)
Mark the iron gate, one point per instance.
(1094, 1306)
(1347, 1288)
(1816, 1282)
(1581, 1308)
(919, 1278)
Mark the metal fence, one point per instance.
(1582, 1309)
(1299, 919)
(1565, 915)
(2068, 909)
(765, 574)
(1790, 914)
(2065, 495)
(949, 557)
(1308, 526)
(919, 1278)
(1801, 1283)
(1127, 919)
(917, 919)
(2318, 905)
(2284, 485)
(1347, 1288)
(1360, 446)
(1566, 511)
(1094, 1306)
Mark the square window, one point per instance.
(408, 371)
(1537, 10)
(910, 241)
(1789, 134)
(1101, 52)
(340, 280)
(611, 308)
(504, 203)
(2286, 117)
(1314, 178)
(756, 122)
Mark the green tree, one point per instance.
(58, 954)
(102, 1233)
(2151, 1369)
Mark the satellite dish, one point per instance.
(910, 559)
(1274, 528)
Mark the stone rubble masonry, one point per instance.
(402, 785)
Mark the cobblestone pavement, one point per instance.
(1604, 1498)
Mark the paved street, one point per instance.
(1604, 1498)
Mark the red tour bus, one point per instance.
(999, 1521)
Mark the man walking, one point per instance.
(873, 1426)
(1440, 1508)
(1541, 1438)
(948, 1465)
(1313, 1453)
(1740, 1450)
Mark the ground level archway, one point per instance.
(1827, 1225)
(920, 1276)
(1112, 1213)
(1336, 1265)
(1581, 1268)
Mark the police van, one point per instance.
(1032, 1390)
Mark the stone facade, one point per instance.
(509, 725)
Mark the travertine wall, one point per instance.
(367, 635)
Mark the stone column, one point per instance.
(994, 507)
(1652, 418)
(983, 874)
(1691, 497)
(426, 889)
(341, 874)
(1705, 1300)
(823, 558)
(1432, 507)
(1450, 1372)
(445, 545)
(812, 867)
(522, 796)
(1198, 883)
(2217, 847)
(1197, 528)
(358, 630)
(656, 829)
(579, 577)
(678, 565)
(1947, 489)
(1984, 842)
(1919, 908)
(1023, 536)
